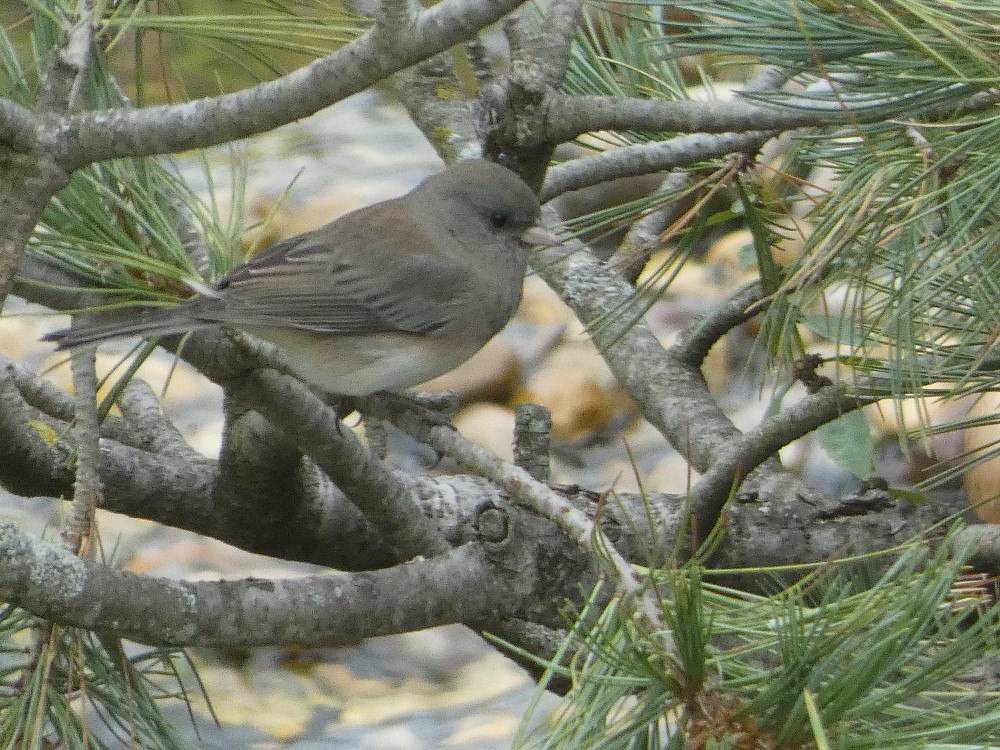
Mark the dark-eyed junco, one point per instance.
(383, 298)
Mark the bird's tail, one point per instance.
(164, 321)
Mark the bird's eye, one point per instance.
(499, 220)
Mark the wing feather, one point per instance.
(357, 295)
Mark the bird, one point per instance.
(384, 298)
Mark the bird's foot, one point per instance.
(433, 409)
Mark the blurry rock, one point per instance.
(492, 374)
(578, 389)
(578, 405)
(693, 278)
(271, 221)
(272, 701)
(489, 426)
(890, 417)
(734, 249)
(22, 328)
(716, 367)
(672, 474)
(790, 247)
(907, 450)
(539, 304)
(982, 481)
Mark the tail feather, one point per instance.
(150, 322)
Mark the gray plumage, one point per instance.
(385, 297)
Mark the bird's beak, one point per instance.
(539, 236)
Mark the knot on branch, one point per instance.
(512, 114)
(492, 524)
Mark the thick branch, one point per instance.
(259, 474)
(672, 395)
(377, 54)
(140, 407)
(315, 611)
(570, 116)
(544, 43)
(27, 460)
(387, 499)
(27, 183)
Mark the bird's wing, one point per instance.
(310, 282)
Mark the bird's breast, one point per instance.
(361, 365)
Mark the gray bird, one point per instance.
(383, 298)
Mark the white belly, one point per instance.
(361, 365)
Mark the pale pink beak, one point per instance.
(539, 236)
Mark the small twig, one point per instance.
(647, 158)
(642, 239)
(62, 82)
(693, 344)
(191, 238)
(53, 401)
(377, 437)
(43, 394)
(87, 490)
(532, 438)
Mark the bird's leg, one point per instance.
(343, 407)
(434, 409)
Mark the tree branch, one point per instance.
(87, 491)
(60, 87)
(378, 53)
(740, 456)
(321, 610)
(672, 395)
(27, 183)
(260, 475)
(643, 237)
(385, 498)
(568, 116)
(693, 344)
(140, 407)
(18, 127)
(642, 159)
